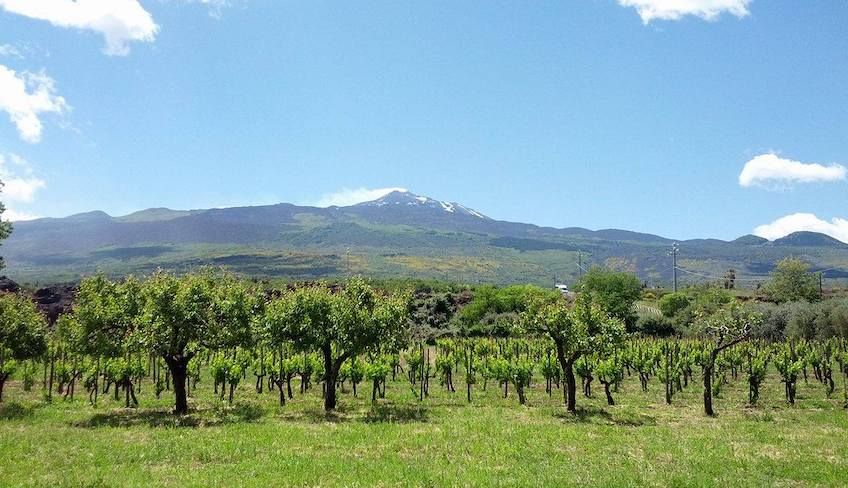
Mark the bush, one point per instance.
(673, 303)
(775, 321)
(655, 326)
(804, 320)
(821, 320)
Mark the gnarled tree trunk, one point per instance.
(571, 386)
(569, 393)
(708, 388)
(178, 366)
(610, 401)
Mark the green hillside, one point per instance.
(400, 235)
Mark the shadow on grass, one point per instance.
(758, 416)
(399, 414)
(14, 410)
(317, 415)
(239, 413)
(379, 413)
(600, 415)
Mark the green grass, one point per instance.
(442, 441)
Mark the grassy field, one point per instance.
(443, 441)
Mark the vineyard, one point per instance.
(233, 359)
(467, 368)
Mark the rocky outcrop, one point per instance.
(7, 285)
(54, 300)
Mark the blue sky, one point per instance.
(634, 114)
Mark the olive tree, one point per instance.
(792, 281)
(22, 334)
(615, 291)
(576, 327)
(339, 325)
(182, 315)
(107, 316)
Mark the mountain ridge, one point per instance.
(396, 197)
(398, 234)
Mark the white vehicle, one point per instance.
(562, 288)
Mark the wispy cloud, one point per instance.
(8, 50)
(770, 171)
(23, 50)
(24, 97)
(20, 186)
(650, 10)
(216, 7)
(347, 196)
(836, 228)
(118, 21)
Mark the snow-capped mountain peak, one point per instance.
(409, 199)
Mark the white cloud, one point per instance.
(119, 21)
(25, 96)
(836, 228)
(19, 183)
(215, 6)
(770, 170)
(676, 9)
(8, 50)
(23, 50)
(15, 216)
(19, 186)
(347, 196)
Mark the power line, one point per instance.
(752, 278)
(829, 269)
(712, 277)
(674, 252)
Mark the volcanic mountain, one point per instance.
(398, 235)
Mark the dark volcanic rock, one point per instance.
(8, 285)
(54, 300)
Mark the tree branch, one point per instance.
(733, 342)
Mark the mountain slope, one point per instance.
(809, 239)
(400, 234)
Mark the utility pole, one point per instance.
(580, 264)
(347, 261)
(674, 250)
